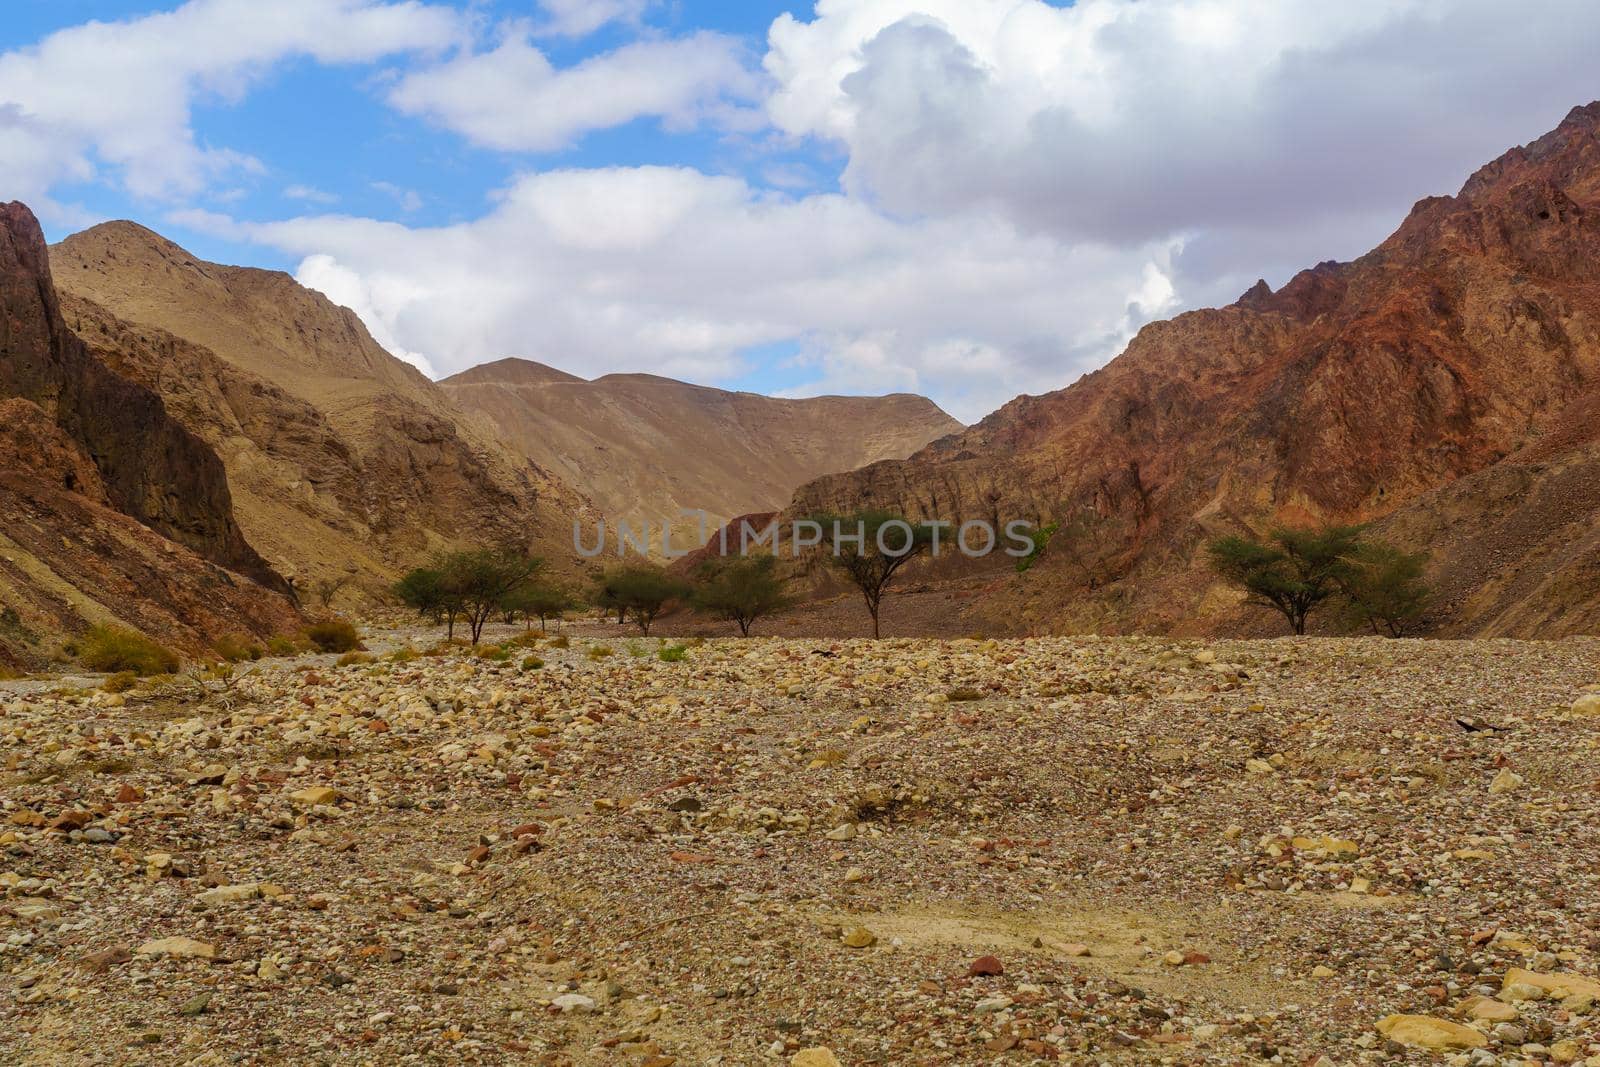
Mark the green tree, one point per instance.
(1385, 587)
(540, 600)
(640, 591)
(870, 547)
(482, 580)
(741, 590)
(424, 591)
(1293, 571)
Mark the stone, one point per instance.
(1588, 704)
(820, 1056)
(1487, 1009)
(1507, 781)
(986, 966)
(846, 832)
(180, 947)
(860, 937)
(1566, 1051)
(1555, 986)
(229, 894)
(1424, 1031)
(195, 1005)
(574, 1003)
(1321, 971)
(855, 874)
(313, 796)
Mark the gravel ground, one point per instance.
(807, 852)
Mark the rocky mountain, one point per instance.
(643, 447)
(113, 510)
(1444, 384)
(343, 460)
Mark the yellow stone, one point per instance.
(1555, 985)
(821, 1056)
(1360, 885)
(1488, 1009)
(1587, 705)
(317, 794)
(177, 946)
(1331, 846)
(1424, 1031)
(860, 937)
(1320, 971)
(1506, 781)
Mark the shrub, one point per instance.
(532, 663)
(334, 635)
(404, 655)
(673, 654)
(560, 641)
(236, 649)
(278, 645)
(640, 591)
(356, 659)
(496, 653)
(598, 651)
(741, 590)
(117, 648)
(120, 682)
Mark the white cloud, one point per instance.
(408, 200)
(1275, 134)
(309, 194)
(512, 98)
(578, 18)
(348, 289)
(677, 271)
(113, 100)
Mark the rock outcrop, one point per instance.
(1454, 368)
(113, 510)
(344, 460)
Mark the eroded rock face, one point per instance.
(342, 459)
(151, 467)
(1467, 340)
(110, 506)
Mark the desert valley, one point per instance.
(324, 740)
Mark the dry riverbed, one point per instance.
(809, 852)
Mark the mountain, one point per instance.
(643, 447)
(343, 460)
(114, 511)
(1445, 384)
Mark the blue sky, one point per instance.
(966, 198)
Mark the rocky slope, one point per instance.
(113, 510)
(1446, 383)
(643, 447)
(343, 459)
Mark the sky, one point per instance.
(970, 199)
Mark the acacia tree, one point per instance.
(640, 590)
(423, 590)
(741, 590)
(1386, 588)
(1293, 571)
(870, 547)
(540, 600)
(325, 589)
(483, 579)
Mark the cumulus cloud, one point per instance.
(677, 271)
(1256, 126)
(511, 97)
(114, 99)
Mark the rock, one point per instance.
(313, 796)
(229, 894)
(1555, 986)
(99, 962)
(860, 937)
(1566, 1051)
(1258, 767)
(855, 874)
(1507, 781)
(180, 947)
(1320, 971)
(846, 832)
(992, 1004)
(986, 966)
(1487, 1009)
(574, 1003)
(1424, 1031)
(1588, 704)
(1074, 948)
(195, 1005)
(1172, 959)
(1510, 1033)
(820, 1056)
